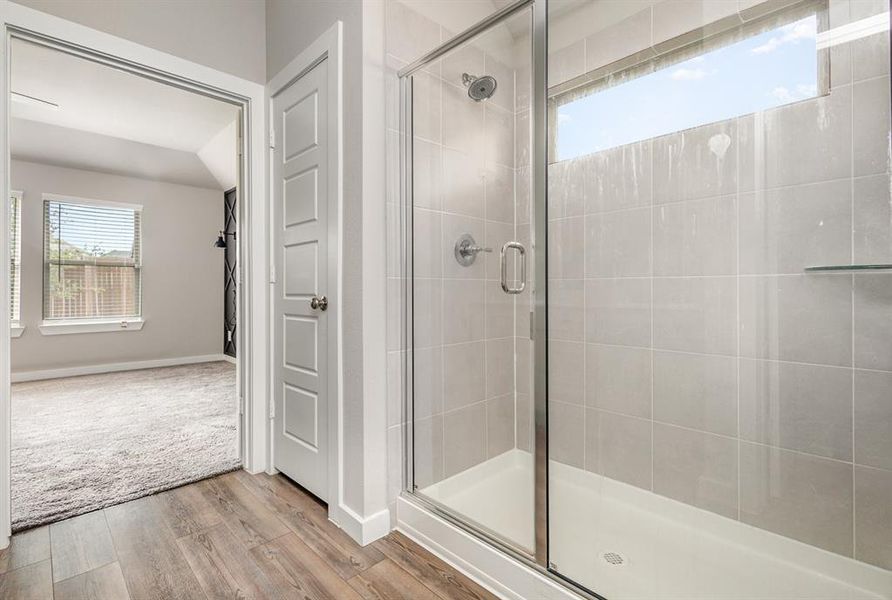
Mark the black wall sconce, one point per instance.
(221, 239)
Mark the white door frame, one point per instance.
(254, 336)
(326, 47)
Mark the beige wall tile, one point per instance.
(696, 468)
(464, 375)
(697, 391)
(818, 133)
(797, 495)
(565, 257)
(696, 238)
(870, 125)
(873, 516)
(464, 438)
(427, 381)
(873, 419)
(566, 372)
(566, 305)
(618, 40)
(625, 448)
(618, 379)
(872, 220)
(618, 178)
(499, 425)
(798, 407)
(873, 321)
(499, 367)
(428, 451)
(463, 310)
(618, 311)
(618, 244)
(803, 318)
(566, 196)
(695, 314)
(566, 433)
(696, 163)
(786, 230)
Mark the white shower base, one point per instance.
(670, 549)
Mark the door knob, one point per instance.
(318, 303)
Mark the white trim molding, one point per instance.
(16, 330)
(364, 530)
(114, 367)
(91, 326)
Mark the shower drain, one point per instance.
(614, 559)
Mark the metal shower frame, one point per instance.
(536, 559)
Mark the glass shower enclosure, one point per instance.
(468, 156)
(647, 266)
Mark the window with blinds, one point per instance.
(15, 256)
(92, 260)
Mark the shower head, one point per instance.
(479, 88)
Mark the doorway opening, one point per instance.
(122, 385)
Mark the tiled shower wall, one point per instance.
(690, 355)
(464, 323)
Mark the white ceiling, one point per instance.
(98, 99)
(33, 141)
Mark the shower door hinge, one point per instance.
(272, 137)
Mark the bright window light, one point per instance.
(776, 67)
(92, 260)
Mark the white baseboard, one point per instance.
(113, 367)
(364, 530)
(229, 359)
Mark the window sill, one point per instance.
(16, 331)
(104, 326)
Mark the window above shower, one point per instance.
(723, 69)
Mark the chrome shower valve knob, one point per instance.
(466, 250)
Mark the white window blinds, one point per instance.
(92, 260)
(15, 256)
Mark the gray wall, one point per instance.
(223, 34)
(182, 271)
(290, 28)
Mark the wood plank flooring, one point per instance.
(232, 536)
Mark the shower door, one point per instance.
(720, 298)
(470, 259)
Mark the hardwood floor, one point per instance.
(233, 536)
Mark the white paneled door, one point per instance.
(302, 314)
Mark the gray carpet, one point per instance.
(84, 443)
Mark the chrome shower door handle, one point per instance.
(504, 267)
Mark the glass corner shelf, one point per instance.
(877, 267)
